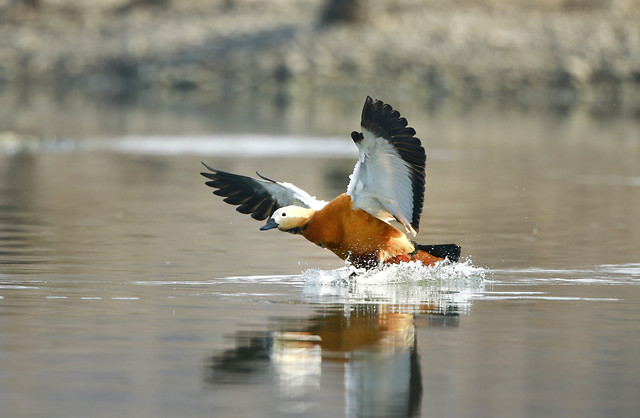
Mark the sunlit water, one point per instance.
(128, 289)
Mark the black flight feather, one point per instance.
(244, 191)
(383, 121)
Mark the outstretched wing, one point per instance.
(388, 179)
(260, 198)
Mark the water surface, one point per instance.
(128, 289)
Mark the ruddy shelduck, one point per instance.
(387, 184)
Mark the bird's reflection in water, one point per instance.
(372, 346)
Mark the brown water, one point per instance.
(128, 289)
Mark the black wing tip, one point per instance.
(265, 178)
(382, 120)
(416, 223)
(208, 166)
(241, 191)
(204, 173)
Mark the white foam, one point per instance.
(442, 285)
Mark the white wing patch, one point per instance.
(381, 183)
(288, 194)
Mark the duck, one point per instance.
(387, 185)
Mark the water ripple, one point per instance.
(605, 274)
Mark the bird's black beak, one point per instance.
(271, 223)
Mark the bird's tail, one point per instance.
(450, 251)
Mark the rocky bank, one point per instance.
(559, 51)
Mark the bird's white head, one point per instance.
(291, 219)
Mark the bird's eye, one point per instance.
(284, 214)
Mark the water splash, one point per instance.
(442, 286)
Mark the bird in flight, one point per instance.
(387, 184)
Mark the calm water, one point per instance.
(128, 289)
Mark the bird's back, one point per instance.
(354, 234)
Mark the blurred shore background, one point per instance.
(194, 53)
(128, 289)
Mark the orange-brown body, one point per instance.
(388, 182)
(362, 239)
